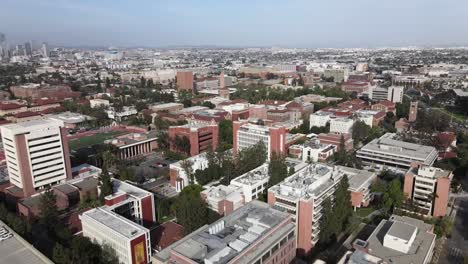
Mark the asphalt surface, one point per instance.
(457, 245)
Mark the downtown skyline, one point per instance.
(301, 24)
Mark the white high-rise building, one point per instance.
(37, 154)
(395, 94)
(45, 50)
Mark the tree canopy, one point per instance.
(191, 211)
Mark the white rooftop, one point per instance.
(115, 222)
(388, 144)
(33, 125)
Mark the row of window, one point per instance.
(273, 250)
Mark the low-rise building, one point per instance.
(341, 125)
(370, 117)
(134, 145)
(388, 151)
(247, 135)
(335, 140)
(130, 241)
(178, 176)
(314, 151)
(255, 233)
(170, 107)
(121, 223)
(223, 199)
(95, 103)
(201, 136)
(72, 120)
(385, 106)
(400, 239)
(428, 188)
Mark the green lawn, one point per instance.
(93, 140)
(364, 212)
(456, 116)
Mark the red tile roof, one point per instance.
(386, 103)
(10, 106)
(26, 114)
(165, 235)
(46, 101)
(445, 139)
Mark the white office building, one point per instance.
(388, 151)
(319, 119)
(130, 241)
(36, 153)
(341, 125)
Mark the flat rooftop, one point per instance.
(313, 179)
(121, 186)
(403, 228)
(310, 181)
(233, 235)
(357, 178)
(16, 250)
(115, 222)
(256, 175)
(28, 126)
(389, 145)
(71, 118)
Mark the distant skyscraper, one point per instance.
(28, 48)
(19, 50)
(413, 112)
(45, 50)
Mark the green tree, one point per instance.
(341, 156)
(360, 132)
(327, 222)
(394, 196)
(342, 209)
(84, 251)
(105, 184)
(277, 169)
(108, 254)
(208, 104)
(187, 166)
(190, 210)
(60, 254)
(225, 133)
(48, 210)
(182, 144)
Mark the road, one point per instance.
(457, 245)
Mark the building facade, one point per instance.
(185, 81)
(341, 125)
(302, 195)
(37, 154)
(428, 188)
(201, 136)
(246, 135)
(255, 233)
(388, 151)
(130, 241)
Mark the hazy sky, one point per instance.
(300, 23)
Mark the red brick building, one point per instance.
(185, 81)
(385, 106)
(335, 139)
(429, 189)
(200, 135)
(36, 91)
